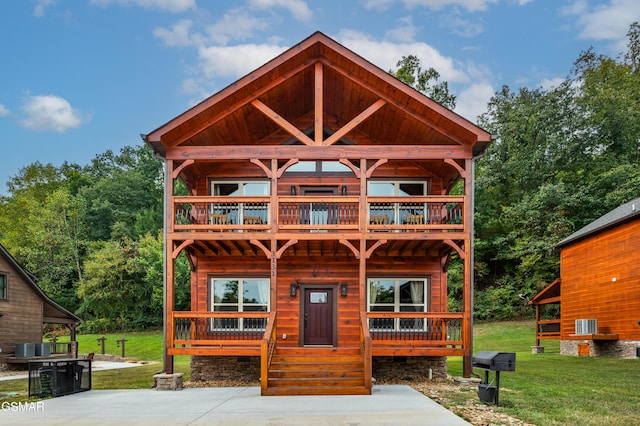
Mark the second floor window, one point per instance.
(238, 212)
(240, 189)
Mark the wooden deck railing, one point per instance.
(267, 348)
(365, 345)
(548, 329)
(219, 329)
(319, 214)
(415, 330)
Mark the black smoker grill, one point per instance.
(492, 361)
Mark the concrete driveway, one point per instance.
(388, 405)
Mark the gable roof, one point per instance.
(616, 216)
(288, 87)
(52, 309)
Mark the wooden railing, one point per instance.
(548, 329)
(319, 214)
(416, 213)
(219, 329)
(416, 330)
(267, 348)
(365, 345)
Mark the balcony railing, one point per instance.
(219, 328)
(424, 329)
(319, 214)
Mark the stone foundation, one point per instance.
(247, 369)
(626, 349)
(169, 382)
(389, 368)
(229, 368)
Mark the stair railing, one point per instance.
(267, 348)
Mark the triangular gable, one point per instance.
(318, 85)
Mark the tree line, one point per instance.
(562, 157)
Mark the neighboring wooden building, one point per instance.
(599, 289)
(24, 310)
(318, 224)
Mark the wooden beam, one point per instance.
(260, 164)
(285, 247)
(178, 249)
(463, 172)
(262, 247)
(354, 122)
(282, 122)
(350, 165)
(456, 247)
(319, 104)
(288, 164)
(374, 247)
(351, 247)
(378, 163)
(178, 169)
(301, 152)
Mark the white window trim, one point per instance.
(240, 303)
(396, 300)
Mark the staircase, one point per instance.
(316, 371)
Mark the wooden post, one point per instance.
(467, 303)
(169, 265)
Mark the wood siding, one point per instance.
(21, 321)
(601, 280)
(316, 271)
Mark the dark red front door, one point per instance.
(318, 316)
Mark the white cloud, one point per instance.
(49, 112)
(551, 83)
(235, 61)
(4, 111)
(166, 5)
(235, 25)
(472, 101)
(460, 26)
(404, 31)
(607, 22)
(40, 6)
(386, 54)
(178, 35)
(379, 5)
(298, 8)
(470, 5)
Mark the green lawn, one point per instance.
(545, 389)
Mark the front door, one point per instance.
(318, 316)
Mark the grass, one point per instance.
(554, 389)
(545, 389)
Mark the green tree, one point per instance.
(409, 70)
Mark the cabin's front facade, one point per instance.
(598, 292)
(319, 223)
(24, 311)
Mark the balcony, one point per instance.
(319, 214)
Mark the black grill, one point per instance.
(492, 361)
(495, 361)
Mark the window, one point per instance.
(318, 167)
(398, 295)
(3, 287)
(398, 189)
(239, 295)
(235, 212)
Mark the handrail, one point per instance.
(267, 348)
(365, 344)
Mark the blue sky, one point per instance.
(79, 77)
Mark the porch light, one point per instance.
(344, 190)
(343, 290)
(293, 290)
(293, 190)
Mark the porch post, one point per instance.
(168, 281)
(467, 325)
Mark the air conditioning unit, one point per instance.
(586, 326)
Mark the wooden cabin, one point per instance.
(599, 290)
(319, 225)
(24, 310)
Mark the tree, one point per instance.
(410, 71)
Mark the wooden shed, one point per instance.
(24, 310)
(319, 224)
(599, 289)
